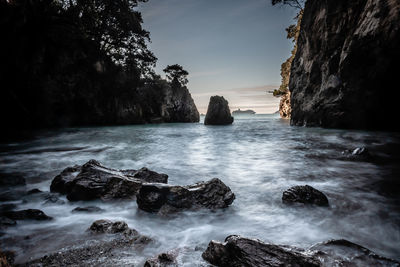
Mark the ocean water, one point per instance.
(258, 157)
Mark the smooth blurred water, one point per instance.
(258, 157)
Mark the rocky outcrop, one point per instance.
(284, 106)
(304, 194)
(165, 199)
(239, 251)
(178, 105)
(110, 227)
(347, 64)
(218, 112)
(94, 181)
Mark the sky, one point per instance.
(232, 48)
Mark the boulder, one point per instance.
(238, 251)
(218, 112)
(346, 80)
(110, 227)
(166, 259)
(162, 198)
(88, 209)
(29, 214)
(94, 181)
(304, 194)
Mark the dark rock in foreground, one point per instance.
(346, 80)
(213, 194)
(218, 112)
(304, 194)
(88, 209)
(109, 227)
(167, 259)
(115, 244)
(345, 253)
(29, 214)
(94, 181)
(237, 251)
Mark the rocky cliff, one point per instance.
(344, 74)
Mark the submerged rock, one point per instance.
(6, 222)
(29, 214)
(88, 209)
(346, 64)
(162, 198)
(304, 194)
(342, 252)
(218, 112)
(94, 181)
(238, 251)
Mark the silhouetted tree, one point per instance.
(299, 4)
(176, 74)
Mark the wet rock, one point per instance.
(109, 227)
(53, 199)
(11, 179)
(304, 194)
(29, 214)
(88, 209)
(359, 153)
(346, 80)
(239, 251)
(34, 191)
(94, 181)
(218, 112)
(345, 253)
(167, 259)
(162, 198)
(114, 244)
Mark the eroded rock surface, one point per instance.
(218, 112)
(346, 64)
(94, 181)
(304, 194)
(115, 244)
(29, 214)
(213, 194)
(238, 251)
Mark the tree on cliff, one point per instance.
(299, 4)
(292, 33)
(176, 74)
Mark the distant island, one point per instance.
(237, 112)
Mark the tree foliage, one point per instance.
(299, 4)
(176, 74)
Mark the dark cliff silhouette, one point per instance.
(72, 63)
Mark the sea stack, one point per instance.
(218, 112)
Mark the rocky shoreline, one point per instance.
(117, 243)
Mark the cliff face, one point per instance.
(344, 74)
(179, 106)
